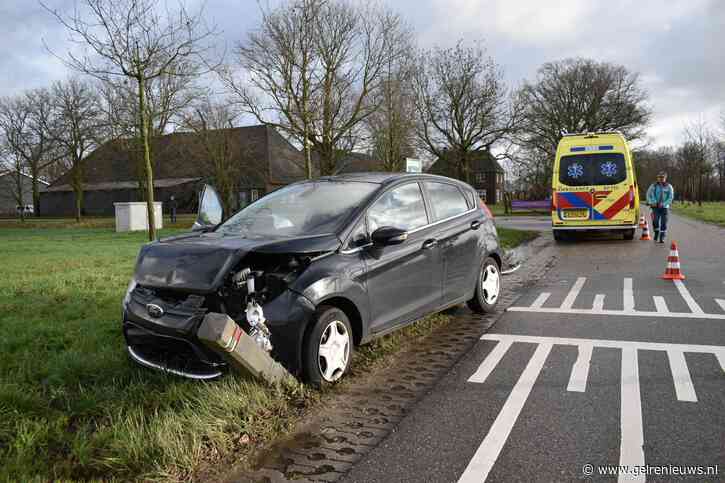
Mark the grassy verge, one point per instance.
(509, 237)
(71, 400)
(710, 212)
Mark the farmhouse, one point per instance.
(112, 172)
(486, 174)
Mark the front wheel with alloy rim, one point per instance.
(488, 288)
(328, 346)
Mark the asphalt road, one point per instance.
(601, 363)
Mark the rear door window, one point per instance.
(592, 169)
(445, 199)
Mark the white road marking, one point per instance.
(632, 433)
(660, 304)
(624, 313)
(688, 298)
(580, 370)
(721, 303)
(487, 453)
(614, 344)
(628, 309)
(598, 302)
(628, 294)
(491, 361)
(681, 376)
(571, 296)
(541, 299)
(631, 451)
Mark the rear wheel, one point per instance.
(559, 235)
(488, 288)
(629, 234)
(327, 352)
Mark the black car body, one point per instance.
(403, 246)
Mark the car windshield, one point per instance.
(592, 169)
(304, 209)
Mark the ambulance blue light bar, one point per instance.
(607, 147)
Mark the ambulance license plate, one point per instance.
(576, 214)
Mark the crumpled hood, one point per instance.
(199, 262)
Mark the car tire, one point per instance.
(328, 347)
(488, 288)
(629, 234)
(558, 236)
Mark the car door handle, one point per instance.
(430, 243)
(475, 224)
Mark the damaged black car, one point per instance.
(312, 270)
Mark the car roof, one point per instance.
(386, 178)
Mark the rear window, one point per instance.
(592, 169)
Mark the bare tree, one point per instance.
(139, 41)
(80, 128)
(696, 157)
(218, 145)
(392, 125)
(26, 122)
(13, 126)
(310, 68)
(463, 104)
(578, 95)
(168, 96)
(11, 161)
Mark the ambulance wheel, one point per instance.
(629, 234)
(328, 346)
(559, 236)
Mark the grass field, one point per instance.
(710, 212)
(71, 404)
(182, 222)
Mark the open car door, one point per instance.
(211, 212)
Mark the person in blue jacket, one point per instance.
(659, 198)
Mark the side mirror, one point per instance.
(210, 212)
(389, 235)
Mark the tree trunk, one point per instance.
(19, 187)
(36, 192)
(78, 187)
(79, 203)
(308, 157)
(147, 159)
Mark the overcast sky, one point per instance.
(677, 46)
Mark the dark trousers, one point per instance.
(659, 222)
(173, 215)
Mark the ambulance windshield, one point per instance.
(592, 169)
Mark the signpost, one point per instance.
(413, 165)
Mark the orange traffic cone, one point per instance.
(641, 221)
(645, 232)
(672, 272)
